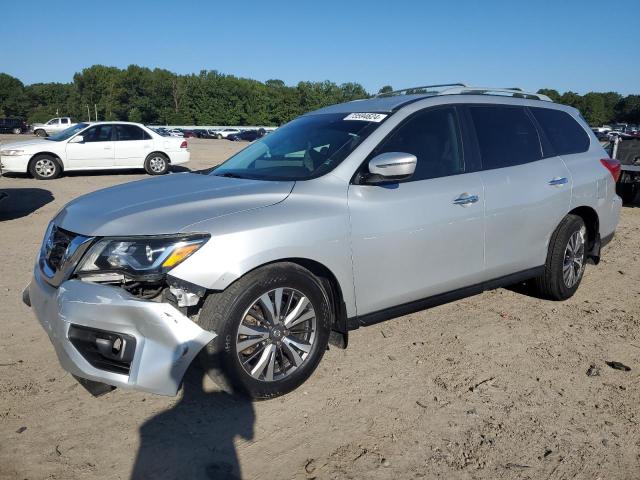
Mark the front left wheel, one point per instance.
(44, 167)
(272, 329)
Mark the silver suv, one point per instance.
(347, 216)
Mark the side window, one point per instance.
(433, 136)
(130, 132)
(506, 136)
(564, 133)
(53, 121)
(64, 121)
(99, 133)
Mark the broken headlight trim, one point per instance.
(136, 256)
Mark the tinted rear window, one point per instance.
(565, 134)
(506, 136)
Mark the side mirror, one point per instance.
(390, 166)
(77, 139)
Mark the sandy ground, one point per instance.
(492, 387)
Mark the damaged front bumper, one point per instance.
(103, 334)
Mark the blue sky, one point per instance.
(567, 45)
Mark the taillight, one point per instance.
(613, 166)
(184, 145)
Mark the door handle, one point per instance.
(107, 148)
(558, 181)
(465, 199)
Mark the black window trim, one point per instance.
(114, 135)
(113, 131)
(542, 133)
(469, 158)
(542, 139)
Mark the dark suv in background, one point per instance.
(13, 125)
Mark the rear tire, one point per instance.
(566, 260)
(262, 354)
(44, 167)
(17, 131)
(157, 164)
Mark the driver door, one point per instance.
(424, 236)
(95, 151)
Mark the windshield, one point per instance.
(68, 133)
(305, 148)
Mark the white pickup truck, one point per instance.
(54, 125)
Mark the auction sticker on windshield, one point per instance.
(366, 117)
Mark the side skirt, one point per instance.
(442, 298)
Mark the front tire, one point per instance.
(566, 260)
(273, 327)
(44, 167)
(17, 131)
(156, 164)
(40, 133)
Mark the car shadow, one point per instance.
(195, 438)
(20, 202)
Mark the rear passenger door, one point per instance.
(424, 236)
(132, 145)
(527, 188)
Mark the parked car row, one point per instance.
(229, 133)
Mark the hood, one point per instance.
(24, 144)
(166, 205)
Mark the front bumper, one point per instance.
(166, 341)
(14, 163)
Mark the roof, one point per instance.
(374, 105)
(391, 101)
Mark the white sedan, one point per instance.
(95, 146)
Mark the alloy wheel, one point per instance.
(276, 334)
(157, 164)
(574, 255)
(45, 167)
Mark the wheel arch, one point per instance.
(54, 155)
(592, 222)
(160, 152)
(328, 280)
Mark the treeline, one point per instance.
(600, 108)
(159, 96)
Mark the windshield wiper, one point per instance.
(229, 175)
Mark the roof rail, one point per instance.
(464, 89)
(508, 92)
(425, 88)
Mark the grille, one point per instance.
(56, 247)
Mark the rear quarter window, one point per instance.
(563, 132)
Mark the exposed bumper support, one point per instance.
(166, 341)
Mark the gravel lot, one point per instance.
(494, 386)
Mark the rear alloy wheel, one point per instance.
(44, 167)
(566, 260)
(273, 327)
(156, 164)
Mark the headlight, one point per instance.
(147, 256)
(9, 153)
